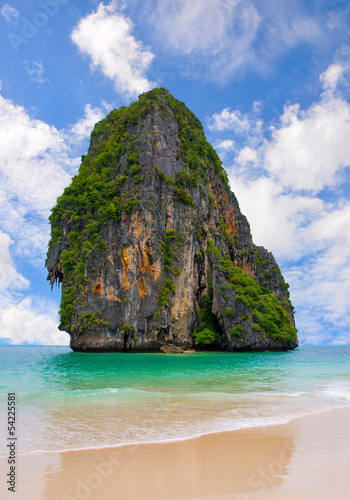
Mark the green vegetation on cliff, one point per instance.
(264, 308)
(205, 333)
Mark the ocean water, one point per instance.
(69, 400)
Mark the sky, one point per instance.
(269, 80)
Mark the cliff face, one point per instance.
(152, 249)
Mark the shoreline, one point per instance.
(287, 420)
(308, 457)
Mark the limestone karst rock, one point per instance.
(151, 247)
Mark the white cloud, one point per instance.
(206, 25)
(256, 106)
(334, 226)
(9, 13)
(276, 219)
(218, 35)
(298, 29)
(82, 129)
(27, 321)
(247, 155)
(35, 70)
(227, 145)
(229, 120)
(321, 287)
(9, 277)
(330, 78)
(32, 155)
(311, 147)
(105, 36)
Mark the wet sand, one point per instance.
(305, 459)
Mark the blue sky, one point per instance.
(269, 79)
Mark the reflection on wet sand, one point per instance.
(227, 463)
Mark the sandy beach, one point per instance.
(307, 458)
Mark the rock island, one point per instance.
(151, 248)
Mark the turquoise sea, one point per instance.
(69, 400)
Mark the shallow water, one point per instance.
(69, 400)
